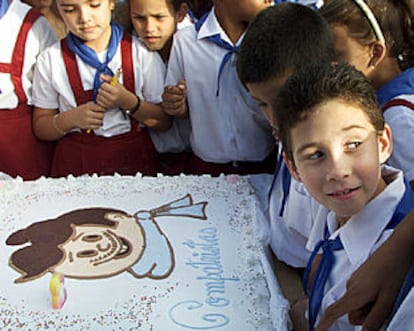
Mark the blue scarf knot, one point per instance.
(216, 39)
(88, 55)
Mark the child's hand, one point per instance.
(174, 100)
(88, 116)
(110, 95)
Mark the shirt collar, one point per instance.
(362, 231)
(211, 27)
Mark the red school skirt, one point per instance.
(80, 153)
(21, 153)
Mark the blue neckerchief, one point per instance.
(402, 84)
(192, 16)
(286, 179)
(216, 39)
(4, 5)
(327, 261)
(88, 55)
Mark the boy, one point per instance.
(273, 48)
(25, 35)
(335, 140)
(155, 22)
(229, 134)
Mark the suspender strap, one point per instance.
(72, 70)
(397, 102)
(127, 64)
(15, 68)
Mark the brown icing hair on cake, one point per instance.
(44, 253)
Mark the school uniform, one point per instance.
(25, 34)
(63, 81)
(360, 237)
(227, 126)
(397, 101)
(291, 212)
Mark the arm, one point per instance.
(373, 288)
(49, 124)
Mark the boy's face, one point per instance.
(88, 19)
(350, 50)
(337, 155)
(155, 21)
(97, 251)
(265, 93)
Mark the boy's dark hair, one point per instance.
(394, 19)
(282, 39)
(319, 83)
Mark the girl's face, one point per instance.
(337, 155)
(154, 21)
(89, 20)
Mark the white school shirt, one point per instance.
(228, 127)
(39, 37)
(290, 229)
(51, 88)
(361, 236)
(176, 139)
(401, 121)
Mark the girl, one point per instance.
(89, 95)
(374, 36)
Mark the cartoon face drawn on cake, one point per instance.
(100, 242)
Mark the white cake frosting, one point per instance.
(219, 277)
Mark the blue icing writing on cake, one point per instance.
(206, 260)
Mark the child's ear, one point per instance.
(292, 168)
(385, 144)
(181, 12)
(378, 52)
